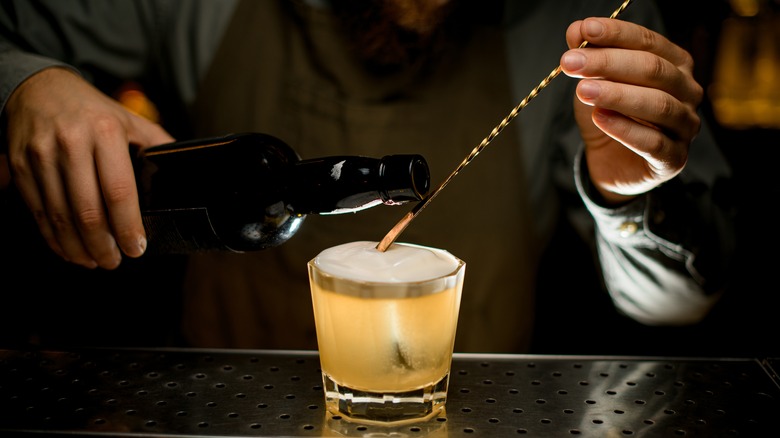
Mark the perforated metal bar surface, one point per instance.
(279, 393)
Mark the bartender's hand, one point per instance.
(69, 152)
(635, 106)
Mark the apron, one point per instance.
(284, 69)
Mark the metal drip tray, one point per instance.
(122, 392)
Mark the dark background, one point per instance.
(141, 308)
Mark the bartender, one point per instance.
(613, 151)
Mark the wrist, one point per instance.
(594, 194)
(606, 198)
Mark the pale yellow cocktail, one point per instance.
(386, 328)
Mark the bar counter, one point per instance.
(196, 392)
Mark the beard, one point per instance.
(391, 35)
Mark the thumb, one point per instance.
(144, 134)
(144, 130)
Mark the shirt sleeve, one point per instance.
(108, 42)
(88, 36)
(665, 255)
(16, 66)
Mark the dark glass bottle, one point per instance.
(251, 191)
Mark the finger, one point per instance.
(115, 170)
(54, 197)
(632, 67)
(120, 189)
(144, 133)
(26, 182)
(88, 209)
(665, 157)
(651, 106)
(647, 58)
(28, 189)
(608, 32)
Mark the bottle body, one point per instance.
(247, 192)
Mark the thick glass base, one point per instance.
(391, 408)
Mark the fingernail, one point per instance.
(593, 28)
(142, 244)
(573, 61)
(589, 90)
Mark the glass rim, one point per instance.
(461, 264)
(385, 289)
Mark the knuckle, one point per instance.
(656, 145)
(36, 156)
(107, 126)
(60, 222)
(40, 218)
(698, 94)
(18, 166)
(119, 193)
(657, 69)
(90, 219)
(648, 38)
(677, 161)
(666, 108)
(694, 126)
(687, 61)
(70, 143)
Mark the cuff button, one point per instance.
(628, 229)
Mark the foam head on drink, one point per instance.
(391, 326)
(402, 262)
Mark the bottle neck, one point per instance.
(345, 184)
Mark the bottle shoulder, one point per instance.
(234, 143)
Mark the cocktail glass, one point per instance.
(386, 324)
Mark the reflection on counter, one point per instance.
(190, 392)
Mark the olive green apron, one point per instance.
(283, 69)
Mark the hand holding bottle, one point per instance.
(251, 191)
(69, 146)
(68, 151)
